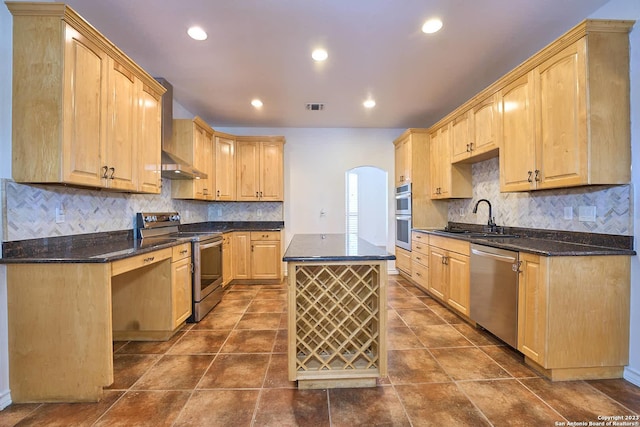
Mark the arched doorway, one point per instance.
(366, 204)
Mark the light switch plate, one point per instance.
(587, 213)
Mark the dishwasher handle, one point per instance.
(503, 258)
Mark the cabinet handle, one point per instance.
(261, 194)
(184, 251)
(251, 248)
(256, 194)
(418, 258)
(516, 267)
(191, 265)
(218, 193)
(105, 169)
(151, 258)
(468, 148)
(113, 171)
(529, 176)
(537, 178)
(418, 274)
(471, 146)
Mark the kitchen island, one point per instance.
(337, 311)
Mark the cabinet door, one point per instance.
(460, 138)
(227, 259)
(85, 105)
(444, 159)
(272, 171)
(438, 276)
(122, 156)
(403, 260)
(181, 290)
(484, 126)
(247, 171)
(434, 164)
(458, 296)
(204, 162)
(149, 140)
(532, 308)
(399, 164)
(517, 146)
(241, 255)
(225, 169)
(562, 156)
(265, 260)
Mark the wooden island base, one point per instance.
(337, 312)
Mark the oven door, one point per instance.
(403, 204)
(208, 269)
(403, 231)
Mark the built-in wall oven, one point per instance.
(206, 257)
(403, 216)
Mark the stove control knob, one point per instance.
(148, 218)
(175, 218)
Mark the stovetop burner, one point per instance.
(165, 225)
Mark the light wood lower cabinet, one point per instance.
(257, 255)
(63, 351)
(449, 272)
(420, 259)
(227, 258)
(573, 315)
(181, 285)
(403, 261)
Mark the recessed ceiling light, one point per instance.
(197, 33)
(369, 103)
(319, 55)
(256, 103)
(431, 26)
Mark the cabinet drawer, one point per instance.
(420, 258)
(453, 245)
(138, 261)
(420, 275)
(416, 236)
(181, 251)
(265, 235)
(421, 247)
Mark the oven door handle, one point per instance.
(211, 245)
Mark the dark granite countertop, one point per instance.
(110, 246)
(543, 242)
(333, 247)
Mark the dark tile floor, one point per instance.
(230, 370)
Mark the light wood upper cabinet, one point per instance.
(447, 180)
(225, 166)
(75, 102)
(120, 164)
(193, 142)
(403, 160)
(475, 131)
(569, 115)
(260, 169)
(517, 151)
(149, 140)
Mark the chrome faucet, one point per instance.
(491, 223)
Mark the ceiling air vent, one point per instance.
(315, 106)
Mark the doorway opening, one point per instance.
(367, 204)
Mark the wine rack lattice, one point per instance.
(337, 317)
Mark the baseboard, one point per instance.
(5, 399)
(632, 375)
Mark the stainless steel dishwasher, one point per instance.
(494, 291)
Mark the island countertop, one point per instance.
(333, 247)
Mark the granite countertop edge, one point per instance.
(536, 245)
(110, 246)
(336, 247)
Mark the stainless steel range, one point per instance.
(206, 257)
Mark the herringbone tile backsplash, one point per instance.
(545, 209)
(29, 211)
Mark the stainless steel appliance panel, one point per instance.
(403, 231)
(494, 291)
(403, 200)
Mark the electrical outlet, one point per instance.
(461, 212)
(219, 211)
(259, 213)
(60, 215)
(568, 212)
(587, 213)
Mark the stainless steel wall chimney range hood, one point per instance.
(173, 167)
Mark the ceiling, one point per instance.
(262, 49)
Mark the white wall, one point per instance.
(630, 9)
(317, 160)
